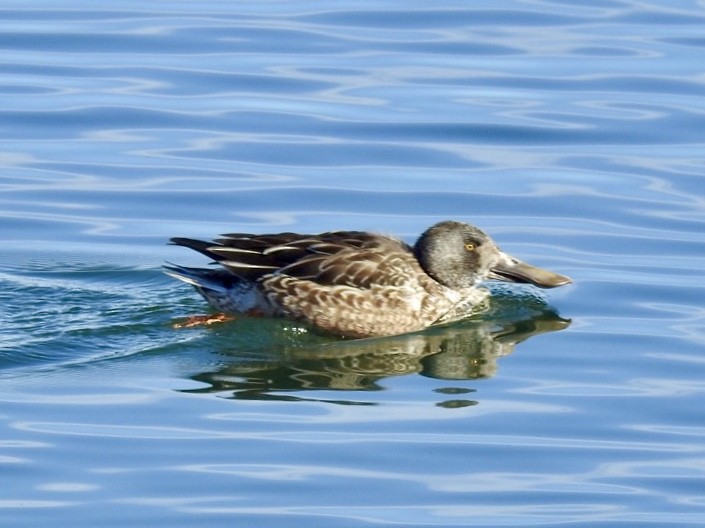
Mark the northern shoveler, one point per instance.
(353, 283)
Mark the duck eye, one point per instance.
(470, 246)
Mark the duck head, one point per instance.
(459, 256)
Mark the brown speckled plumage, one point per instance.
(352, 283)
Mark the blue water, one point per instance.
(571, 132)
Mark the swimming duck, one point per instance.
(353, 283)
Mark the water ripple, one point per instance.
(571, 132)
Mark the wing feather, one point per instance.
(352, 258)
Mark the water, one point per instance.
(571, 133)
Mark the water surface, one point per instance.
(571, 133)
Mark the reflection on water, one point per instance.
(462, 351)
(573, 135)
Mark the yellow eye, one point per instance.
(470, 246)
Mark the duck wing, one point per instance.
(351, 258)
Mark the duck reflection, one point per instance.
(295, 360)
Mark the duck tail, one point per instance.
(209, 279)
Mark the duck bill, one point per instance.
(510, 269)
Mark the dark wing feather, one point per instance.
(197, 245)
(352, 258)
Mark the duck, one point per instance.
(356, 284)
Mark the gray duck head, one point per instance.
(459, 256)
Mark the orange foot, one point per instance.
(203, 320)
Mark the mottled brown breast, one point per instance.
(360, 293)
